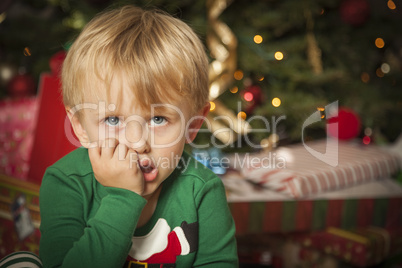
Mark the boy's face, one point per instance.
(157, 135)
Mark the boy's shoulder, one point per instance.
(76, 162)
(192, 167)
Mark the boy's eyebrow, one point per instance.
(159, 110)
(163, 110)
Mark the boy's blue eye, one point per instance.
(112, 121)
(158, 120)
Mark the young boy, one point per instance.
(135, 87)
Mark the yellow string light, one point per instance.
(234, 90)
(242, 115)
(322, 111)
(278, 55)
(276, 102)
(212, 107)
(258, 39)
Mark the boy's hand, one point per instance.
(115, 165)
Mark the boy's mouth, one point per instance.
(148, 169)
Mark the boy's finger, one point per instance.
(121, 151)
(132, 157)
(109, 147)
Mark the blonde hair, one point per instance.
(159, 56)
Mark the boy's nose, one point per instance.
(135, 137)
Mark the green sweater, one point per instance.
(84, 224)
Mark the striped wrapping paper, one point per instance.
(308, 215)
(296, 172)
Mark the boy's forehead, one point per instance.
(121, 95)
(129, 106)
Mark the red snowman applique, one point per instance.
(161, 245)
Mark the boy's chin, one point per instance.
(150, 190)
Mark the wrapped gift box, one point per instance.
(307, 169)
(10, 241)
(17, 125)
(361, 247)
(257, 210)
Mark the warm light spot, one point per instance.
(217, 66)
(391, 4)
(212, 107)
(260, 78)
(322, 111)
(27, 51)
(2, 17)
(214, 90)
(379, 73)
(278, 55)
(258, 39)
(365, 77)
(379, 42)
(264, 143)
(238, 75)
(234, 90)
(248, 96)
(242, 115)
(322, 11)
(274, 138)
(366, 140)
(385, 68)
(276, 102)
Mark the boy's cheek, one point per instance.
(102, 133)
(167, 137)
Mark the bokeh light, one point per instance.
(242, 115)
(278, 55)
(276, 102)
(248, 96)
(238, 75)
(258, 39)
(379, 42)
(234, 90)
(212, 107)
(365, 77)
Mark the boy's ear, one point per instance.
(79, 130)
(196, 123)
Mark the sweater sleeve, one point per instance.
(217, 244)
(68, 240)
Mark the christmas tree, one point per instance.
(292, 57)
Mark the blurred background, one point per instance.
(273, 64)
(287, 57)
